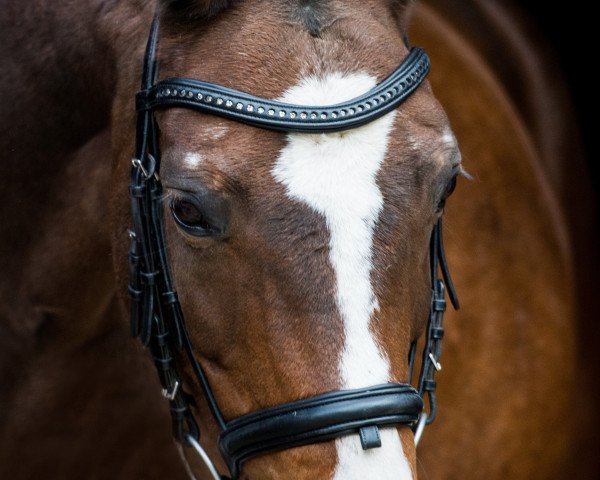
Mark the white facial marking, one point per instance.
(448, 138)
(414, 143)
(215, 133)
(335, 174)
(192, 160)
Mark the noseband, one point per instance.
(157, 317)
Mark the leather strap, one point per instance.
(319, 418)
(432, 351)
(273, 115)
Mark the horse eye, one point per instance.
(450, 188)
(447, 192)
(190, 218)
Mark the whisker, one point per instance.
(463, 173)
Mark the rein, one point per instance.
(156, 315)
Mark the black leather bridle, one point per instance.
(156, 315)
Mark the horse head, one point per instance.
(302, 261)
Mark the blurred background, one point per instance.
(569, 33)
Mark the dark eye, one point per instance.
(190, 218)
(447, 192)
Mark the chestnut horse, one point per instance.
(322, 279)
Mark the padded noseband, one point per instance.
(320, 418)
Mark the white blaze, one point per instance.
(448, 138)
(192, 160)
(335, 174)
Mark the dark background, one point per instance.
(570, 31)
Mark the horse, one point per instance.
(302, 261)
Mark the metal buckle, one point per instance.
(171, 395)
(436, 364)
(136, 162)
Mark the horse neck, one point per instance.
(59, 74)
(58, 67)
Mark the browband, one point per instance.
(273, 115)
(320, 418)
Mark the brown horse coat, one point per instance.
(79, 399)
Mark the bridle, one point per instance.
(157, 317)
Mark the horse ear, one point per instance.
(402, 10)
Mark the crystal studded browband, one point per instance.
(274, 115)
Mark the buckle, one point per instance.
(171, 395)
